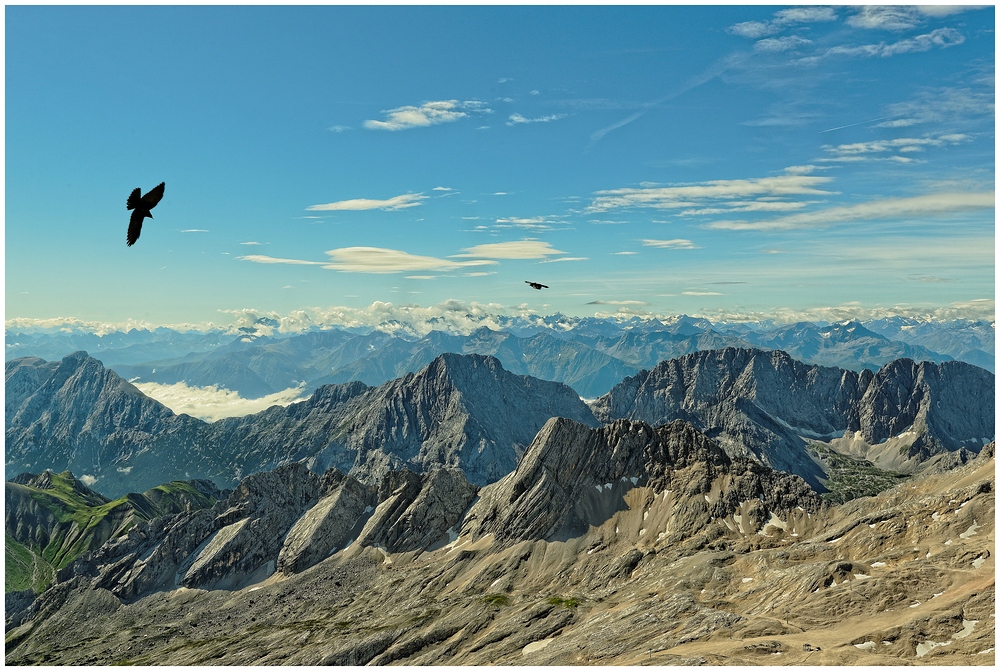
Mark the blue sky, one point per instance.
(738, 161)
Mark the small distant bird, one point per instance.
(140, 209)
(536, 285)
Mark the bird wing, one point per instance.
(153, 196)
(133, 199)
(544, 286)
(135, 226)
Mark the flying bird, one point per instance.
(536, 285)
(140, 209)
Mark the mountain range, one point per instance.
(623, 544)
(591, 355)
(468, 412)
(461, 410)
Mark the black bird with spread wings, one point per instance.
(536, 285)
(140, 209)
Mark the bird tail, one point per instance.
(133, 199)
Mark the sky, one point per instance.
(729, 162)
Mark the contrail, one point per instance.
(858, 123)
(713, 71)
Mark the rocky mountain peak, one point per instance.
(573, 477)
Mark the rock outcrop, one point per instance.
(573, 477)
(461, 411)
(766, 404)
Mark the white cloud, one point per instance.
(885, 17)
(778, 44)
(565, 258)
(932, 205)
(517, 119)
(670, 244)
(531, 223)
(194, 230)
(941, 37)
(701, 293)
(88, 480)
(750, 206)
(377, 260)
(520, 249)
(901, 144)
(946, 10)
(427, 114)
(212, 403)
(805, 15)
(974, 309)
(940, 104)
(782, 19)
(623, 253)
(421, 277)
(260, 258)
(394, 203)
(339, 129)
(250, 243)
(442, 188)
(694, 195)
(617, 303)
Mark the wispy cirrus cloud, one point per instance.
(378, 260)
(782, 19)
(900, 17)
(793, 183)
(935, 105)
(939, 38)
(678, 243)
(779, 44)
(260, 258)
(516, 119)
(856, 151)
(519, 249)
(931, 205)
(389, 204)
(427, 114)
(566, 258)
(617, 303)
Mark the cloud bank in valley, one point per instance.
(212, 403)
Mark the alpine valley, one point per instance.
(567, 493)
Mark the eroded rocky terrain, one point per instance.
(627, 544)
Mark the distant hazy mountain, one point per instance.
(849, 345)
(763, 402)
(114, 348)
(589, 354)
(332, 357)
(970, 341)
(461, 411)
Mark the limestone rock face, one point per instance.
(952, 405)
(77, 415)
(417, 510)
(573, 477)
(326, 527)
(232, 544)
(461, 411)
(763, 403)
(263, 508)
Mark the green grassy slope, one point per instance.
(50, 525)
